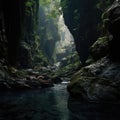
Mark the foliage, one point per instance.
(71, 66)
(103, 4)
(45, 2)
(54, 13)
(29, 4)
(53, 6)
(64, 4)
(29, 7)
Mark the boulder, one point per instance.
(100, 48)
(98, 82)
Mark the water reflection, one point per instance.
(91, 111)
(52, 104)
(45, 104)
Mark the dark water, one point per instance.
(52, 104)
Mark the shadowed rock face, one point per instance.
(18, 26)
(100, 48)
(82, 18)
(11, 15)
(114, 29)
(100, 81)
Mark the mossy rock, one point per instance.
(83, 72)
(100, 48)
(2, 74)
(81, 86)
(93, 89)
(98, 82)
(21, 74)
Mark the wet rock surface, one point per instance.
(22, 84)
(100, 48)
(98, 82)
(14, 79)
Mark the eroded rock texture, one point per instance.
(100, 81)
(114, 29)
(17, 25)
(82, 18)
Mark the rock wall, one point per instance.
(113, 14)
(28, 39)
(3, 40)
(10, 22)
(83, 19)
(18, 27)
(99, 81)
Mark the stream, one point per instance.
(52, 104)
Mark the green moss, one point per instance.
(45, 2)
(103, 4)
(29, 4)
(40, 58)
(2, 74)
(28, 7)
(100, 48)
(69, 68)
(21, 74)
(102, 40)
(89, 60)
(83, 72)
(79, 84)
(84, 83)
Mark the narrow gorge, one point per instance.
(59, 60)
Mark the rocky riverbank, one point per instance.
(100, 81)
(14, 79)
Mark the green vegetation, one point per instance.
(53, 6)
(64, 4)
(69, 65)
(103, 4)
(29, 4)
(44, 2)
(28, 7)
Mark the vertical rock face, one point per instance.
(18, 21)
(27, 43)
(28, 47)
(100, 81)
(18, 26)
(82, 18)
(3, 41)
(11, 13)
(114, 29)
(10, 27)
